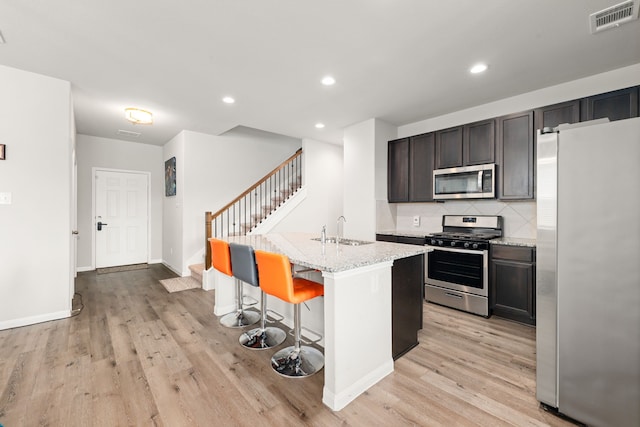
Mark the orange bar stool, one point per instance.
(221, 261)
(274, 271)
(243, 259)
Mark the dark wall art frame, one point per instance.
(170, 177)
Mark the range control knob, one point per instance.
(440, 242)
(453, 243)
(466, 244)
(475, 246)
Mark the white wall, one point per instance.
(35, 229)
(211, 172)
(172, 207)
(323, 180)
(93, 151)
(365, 176)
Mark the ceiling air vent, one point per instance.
(128, 133)
(614, 16)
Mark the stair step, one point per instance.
(196, 271)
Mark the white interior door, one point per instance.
(121, 219)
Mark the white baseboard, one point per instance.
(32, 320)
(337, 401)
(178, 272)
(91, 268)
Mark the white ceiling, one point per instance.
(397, 60)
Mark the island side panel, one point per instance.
(225, 293)
(357, 316)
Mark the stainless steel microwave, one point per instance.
(468, 182)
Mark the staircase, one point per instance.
(196, 271)
(253, 206)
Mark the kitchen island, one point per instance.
(357, 305)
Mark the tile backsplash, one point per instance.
(519, 218)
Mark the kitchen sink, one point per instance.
(347, 242)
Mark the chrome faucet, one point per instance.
(338, 231)
(323, 235)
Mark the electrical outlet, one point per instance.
(416, 221)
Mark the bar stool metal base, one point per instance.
(240, 319)
(261, 339)
(297, 363)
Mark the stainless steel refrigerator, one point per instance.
(588, 272)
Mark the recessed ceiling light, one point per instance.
(328, 81)
(478, 68)
(228, 100)
(138, 116)
(319, 125)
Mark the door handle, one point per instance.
(100, 224)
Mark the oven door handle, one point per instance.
(463, 251)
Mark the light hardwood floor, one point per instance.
(139, 356)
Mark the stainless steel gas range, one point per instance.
(457, 264)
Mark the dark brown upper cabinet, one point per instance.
(410, 169)
(617, 105)
(515, 156)
(421, 162)
(479, 143)
(554, 115)
(398, 170)
(449, 147)
(471, 144)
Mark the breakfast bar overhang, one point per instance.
(357, 305)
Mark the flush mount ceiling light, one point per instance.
(138, 116)
(478, 68)
(228, 100)
(328, 81)
(319, 125)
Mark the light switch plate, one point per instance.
(416, 221)
(5, 198)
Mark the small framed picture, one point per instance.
(2, 151)
(170, 177)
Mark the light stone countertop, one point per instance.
(514, 241)
(409, 233)
(329, 257)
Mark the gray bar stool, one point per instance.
(243, 260)
(221, 261)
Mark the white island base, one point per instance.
(357, 319)
(357, 306)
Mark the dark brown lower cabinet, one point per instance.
(407, 296)
(512, 293)
(407, 281)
